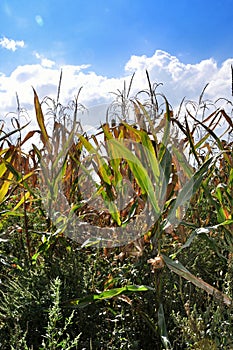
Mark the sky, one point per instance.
(183, 44)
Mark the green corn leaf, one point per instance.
(147, 150)
(221, 216)
(37, 151)
(150, 155)
(103, 168)
(146, 115)
(41, 250)
(114, 161)
(230, 180)
(180, 270)
(188, 170)
(203, 232)
(113, 210)
(12, 169)
(112, 207)
(93, 241)
(108, 294)
(218, 193)
(166, 132)
(163, 328)
(190, 187)
(199, 143)
(10, 213)
(139, 172)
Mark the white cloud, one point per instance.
(179, 80)
(11, 44)
(182, 80)
(45, 62)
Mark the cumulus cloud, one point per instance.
(179, 80)
(183, 80)
(11, 44)
(45, 62)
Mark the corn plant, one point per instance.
(18, 178)
(132, 182)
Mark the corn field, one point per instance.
(122, 238)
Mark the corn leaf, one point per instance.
(5, 187)
(114, 161)
(11, 213)
(29, 135)
(163, 328)
(40, 120)
(203, 232)
(180, 270)
(107, 294)
(24, 198)
(182, 161)
(6, 136)
(191, 143)
(149, 150)
(139, 172)
(190, 187)
(166, 133)
(103, 168)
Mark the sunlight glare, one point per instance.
(39, 20)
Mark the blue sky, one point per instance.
(106, 33)
(184, 44)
